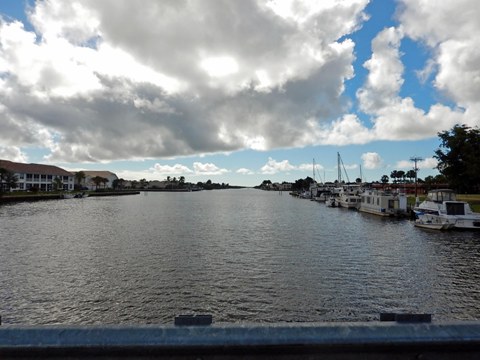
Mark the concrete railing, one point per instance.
(373, 340)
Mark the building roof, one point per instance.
(41, 169)
(104, 174)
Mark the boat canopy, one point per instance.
(442, 195)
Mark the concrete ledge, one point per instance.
(376, 340)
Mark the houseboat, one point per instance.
(383, 203)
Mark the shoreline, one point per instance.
(40, 197)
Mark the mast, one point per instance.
(339, 176)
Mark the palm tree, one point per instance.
(80, 177)
(394, 176)
(410, 174)
(7, 180)
(104, 182)
(97, 180)
(57, 184)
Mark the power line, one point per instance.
(415, 160)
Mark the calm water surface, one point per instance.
(240, 255)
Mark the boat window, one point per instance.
(455, 208)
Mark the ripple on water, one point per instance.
(242, 256)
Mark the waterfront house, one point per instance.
(91, 174)
(38, 176)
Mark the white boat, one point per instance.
(349, 197)
(383, 203)
(434, 222)
(443, 202)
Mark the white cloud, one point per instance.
(393, 117)
(242, 74)
(208, 169)
(385, 72)
(158, 88)
(12, 153)
(309, 167)
(245, 171)
(272, 166)
(176, 169)
(372, 160)
(449, 31)
(427, 163)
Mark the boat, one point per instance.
(444, 203)
(349, 196)
(333, 197)
(383, 203)
(434, 222)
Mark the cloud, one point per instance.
(208, 169)
(448, 29)
(176, 169)
(372, 160)
(272, 166)
(242, 75)
(394, 117)
(156, 88)
(13, 153)
(427, 163)
(245, 171)
(309, 167)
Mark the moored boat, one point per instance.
(443, 202)
(434, 222)
(383, 203)
(349, 197)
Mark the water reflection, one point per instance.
(240, 255)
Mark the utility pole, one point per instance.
(415, 159)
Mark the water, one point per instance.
(240, 255)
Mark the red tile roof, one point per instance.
(33, 168)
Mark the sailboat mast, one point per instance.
(339, 177)
(313, 170)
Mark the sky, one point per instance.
(236, 91)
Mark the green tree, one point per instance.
(8, 180)
(97, 180)
(80, 177)
(458, 158)
(385, 179)
(105, 182)
(394, 176)
(410, 175)
(143, 183)
(401, 175)
(57, 184)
